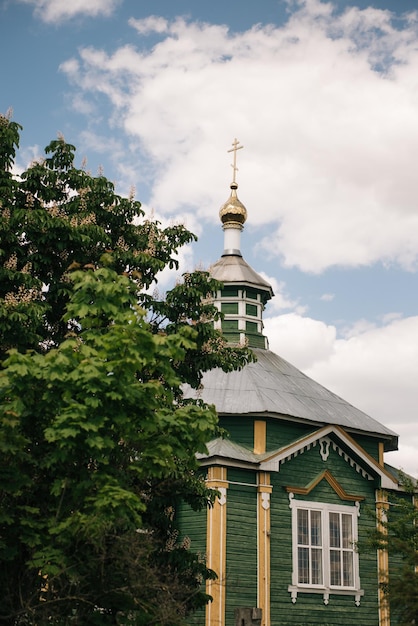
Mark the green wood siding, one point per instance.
(240, 430)
(369, 444)
(310, 608)
(241, 550)
(283, 432)
(242, 476)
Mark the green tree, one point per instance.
(97, 443)
(397, 533)
(56, 216)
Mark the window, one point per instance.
(229, 308)
(251, 293)
(251, 309)
(324, 549)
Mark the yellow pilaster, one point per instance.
(382, 559)
(264, 489)
(381, 453)
(263, 546)
(259, 436)
(216, 547)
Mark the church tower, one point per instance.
(245, 293)
(294, 476)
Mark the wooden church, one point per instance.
(296, 476)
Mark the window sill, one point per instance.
(326, 592)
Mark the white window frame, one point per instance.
(325, 588)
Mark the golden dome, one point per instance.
(233, 211)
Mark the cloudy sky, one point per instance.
(324, 98)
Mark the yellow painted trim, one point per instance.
(333, 482)
(381, 453)
(382, 559)
(264, 490)
(216, 547)
(259, 436)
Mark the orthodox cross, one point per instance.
(234, 150)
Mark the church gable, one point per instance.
(327, 440)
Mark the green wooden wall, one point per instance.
(241, 543)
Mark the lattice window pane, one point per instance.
(303, 527)
(316, 566)
(335, 567)
(316, 528)
(303, 565)
(334, 530)
(347, 531)
(348, 569)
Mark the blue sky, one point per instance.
(324, 98)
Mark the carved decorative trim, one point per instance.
(265, 500)
(325, 592)
(222, 497)
(325, 443)
(333, 482)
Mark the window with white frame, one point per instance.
(324, 540)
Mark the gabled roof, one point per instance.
(225, 452)
(271, 461)
(273, 387)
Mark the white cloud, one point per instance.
(326, 107)
(373, 368)
(331, 143)
(54, 11)
(150, 25)
(301, 340)
(281, 299)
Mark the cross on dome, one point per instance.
(234, 149)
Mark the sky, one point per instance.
(324, 98)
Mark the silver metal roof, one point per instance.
(274, 387)
(232, 269)
(227, 449)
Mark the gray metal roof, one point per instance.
(232, 269)
(227, 449)
(274, 387)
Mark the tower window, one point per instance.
(230, 308)
(228, 325)
(229, 293)
(251, 309)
